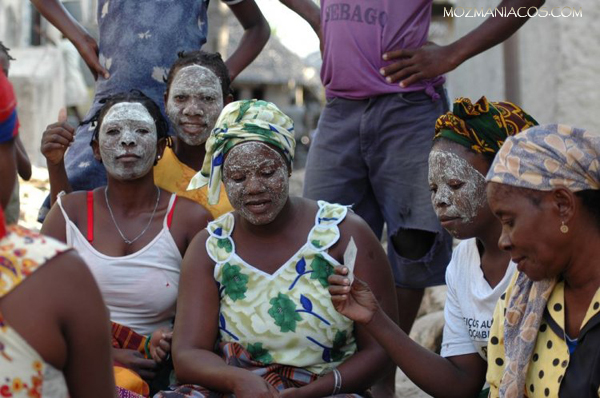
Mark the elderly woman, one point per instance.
(255, 281)
(465, 143)
(544, 186)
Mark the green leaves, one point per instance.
(283, 311)
(322, 269)
(234, 281)
(259, 353)
(225, 243)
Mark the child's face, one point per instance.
(128, 141)
(194, 103)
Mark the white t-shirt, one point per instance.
(470, 302)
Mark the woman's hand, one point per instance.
(356, 302)
(160, 344)
(250, 385)
(57, 138)
(135, 361)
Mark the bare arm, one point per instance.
(23, 163)
(59, 311)
(55, 141)
(58, 16)
(431, 372)
(196, 330)
(256, 34)
(370, 362)
(308, 10)
(86, 326)
(432, 60)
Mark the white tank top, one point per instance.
(139, 289)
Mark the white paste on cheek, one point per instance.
(128, 129)
(249, 162)
(194, 103)
(446, 168)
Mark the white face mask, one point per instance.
(127, 141)
(194, 103)
(458, 189)
(257, 182)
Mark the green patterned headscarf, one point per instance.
(243, 121)
(483, 126)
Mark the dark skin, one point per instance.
(194, 359)
(23, 162)
(256, 34)
(74, 339)
(192, 155)
(310, 12)
(530, 232)
(484, 227)
(431, 372)
(431, 60)
(132, 202)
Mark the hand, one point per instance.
(250, 385)
(135, 361)
(88, 49)
(356, 302)
(57, 138)
(415, 65)
(160, 344)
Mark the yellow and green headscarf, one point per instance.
(482, 126)
(242, 121)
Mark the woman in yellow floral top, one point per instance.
(54, 337)
(545, 339)
(255, 281)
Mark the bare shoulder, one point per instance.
(192, 214)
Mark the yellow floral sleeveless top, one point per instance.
(287, 317)
(23, 372)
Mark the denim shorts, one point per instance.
(372, 154)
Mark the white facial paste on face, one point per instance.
(255, 173)
(194, 103)
(128, 129)
(446, 169)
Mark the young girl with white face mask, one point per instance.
(131, 233)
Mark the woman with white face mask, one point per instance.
(132, 234)
(254, 317)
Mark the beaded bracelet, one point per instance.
(337, 376)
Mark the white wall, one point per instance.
(38, 79)
(559, 65)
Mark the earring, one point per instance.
(564, 228)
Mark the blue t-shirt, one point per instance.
(139, 41)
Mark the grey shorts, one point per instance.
(373, 154)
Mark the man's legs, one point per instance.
(399, 131)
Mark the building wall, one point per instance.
(38, 79)
(558, 65)
(15, 22)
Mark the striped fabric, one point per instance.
(279, 376)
